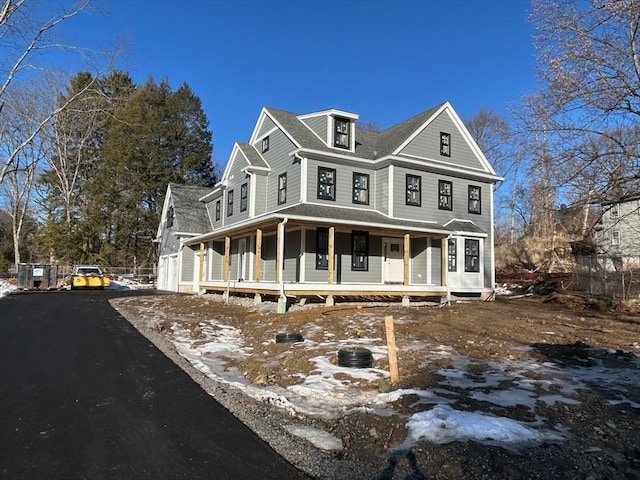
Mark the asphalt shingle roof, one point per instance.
(190, 214)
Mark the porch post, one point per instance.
(444, 264)
(227, 251)
(258, 262)
(330, 254)
(406, 257)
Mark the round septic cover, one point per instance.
(355, 357)
(289, 337)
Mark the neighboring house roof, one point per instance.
(190, 214)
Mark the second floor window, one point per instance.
(615, 210)
(326, 183)
(282, 189)
(360, 251)
(474, 199)
(265, 144)
(230, 203)
(361, 188)
(244, 193)
(413, 190)
(217, 210)
(322, 249)
(341, 133)
(445, 190)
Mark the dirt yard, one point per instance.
(603, 439)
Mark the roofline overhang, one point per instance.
(276, 217)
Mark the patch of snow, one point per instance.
(319, 438)
(6, 288)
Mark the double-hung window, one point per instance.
(265, 144)
(229, 203)
(244, 194)
(361, 188)
(360, 251)
(445, 144)
(452, 255)
(217, 210)
(414, 196)
(282, 189)
(341, 132)
(471, 255)
(475, 205)
(326, 183)
(615, 210)
(445, 191)
(322, 248)
(615, 237)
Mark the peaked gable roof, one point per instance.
(190, 214)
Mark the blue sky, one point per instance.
(384, 60)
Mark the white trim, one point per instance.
(252, 192)
(390, 192)
(265, 113)
(304, 181)
(303, 254)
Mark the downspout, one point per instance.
(282, 303)
(445, 266)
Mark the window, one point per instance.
(341, 133)
(413, 190)
(360, 251)
(452, 255)
(445, 144)
(326, 183)
(322, 249)
(615, 210)
(474, 199)
(230, 203)
(615, 237)
(265, 144)
(170, 216)
(244, 193)
(217, 210)
(444, 195)
(361, 188)
(282, 189)
(471, 255)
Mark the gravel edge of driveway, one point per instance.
(264, 420)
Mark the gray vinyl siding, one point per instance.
(429, 211)
(318, 125)
(343, 184)
(211, 210)
(436, 261)
(260, 196)
(292, 256)
(311, 274)
(169, 243)
(217, 261)
(382, 191)
(187, 272)
(267, 126)
(427, 144)
(279, 159)
(419, 254)
(269, 245)
(236, 179)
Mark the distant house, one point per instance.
(314, 206)
(618, 233)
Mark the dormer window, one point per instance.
(341, 137)
(170, 216)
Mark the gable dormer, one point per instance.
(336, 128)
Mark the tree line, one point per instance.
(83, 170)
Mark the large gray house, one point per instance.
(315, 207)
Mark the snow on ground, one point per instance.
(6, 288)
(331, 390)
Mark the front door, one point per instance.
(393, 260)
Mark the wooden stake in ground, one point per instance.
(391, 349)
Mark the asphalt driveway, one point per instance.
(84, 395)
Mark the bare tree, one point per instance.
(588, 109)
(27, 35)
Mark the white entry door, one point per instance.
(393, 260)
